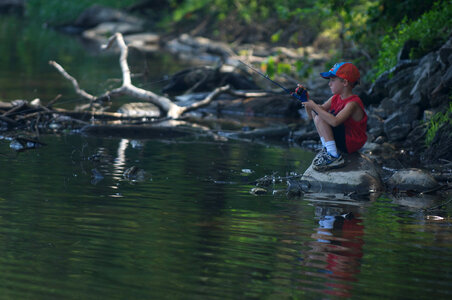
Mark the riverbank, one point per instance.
(398, 103)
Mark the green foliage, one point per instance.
(55, 12)
(438, 120)
(273, 67)
(431, 29)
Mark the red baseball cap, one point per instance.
(344, 70)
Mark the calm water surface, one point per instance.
(73, 227)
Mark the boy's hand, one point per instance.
(301, 93)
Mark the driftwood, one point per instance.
(127, 88)
(37, 118)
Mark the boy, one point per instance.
(341, 122)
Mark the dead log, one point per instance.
(127, 88)
(9, 121)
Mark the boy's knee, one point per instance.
(317, 120)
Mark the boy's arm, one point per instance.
(331, 119)
(325, 106)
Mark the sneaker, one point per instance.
(319, 154)
(327, 162)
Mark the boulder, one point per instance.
(359, 176)
(441, 147)
(398, 125)
(401, 78)
(412, 179)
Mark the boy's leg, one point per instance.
(326, 132)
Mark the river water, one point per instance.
(72, 226)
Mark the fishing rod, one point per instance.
(299, 95)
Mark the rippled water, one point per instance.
(189, 228)
(72, 226)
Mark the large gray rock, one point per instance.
(398, 125)
(359, 175)
(412, 179)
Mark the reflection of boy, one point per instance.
(343, 239)
(341, 121)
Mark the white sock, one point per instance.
(322, 139)
(331, 148)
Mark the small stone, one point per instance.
(258, 191)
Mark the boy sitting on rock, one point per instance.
(341, 121)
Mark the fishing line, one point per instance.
(302, 96)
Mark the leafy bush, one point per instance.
(430, 30)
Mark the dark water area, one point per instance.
(72, 226)
(26, 74)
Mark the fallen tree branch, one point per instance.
(74, 82)
(208, 99)
(9, 121)
(171, 109)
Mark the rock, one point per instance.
(400, 80)
(134, 174)
(139, 109)
(441, 147)
(23, 143)
(98, 14)
(205, 49)
(378, 90)
(447, 78)
(398, 132)
(386, 108)
(426, 77)
(412, 179)
(258, 191)
(398, 125)
(147, 42)
(445, 56)
(103, 31)
(375, 124)
(12, 7)
(359, 175)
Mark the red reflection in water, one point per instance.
(336, 253)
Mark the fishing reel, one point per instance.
(301, 93)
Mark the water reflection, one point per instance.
(336, 250)
(120, 161)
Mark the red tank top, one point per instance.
(355, 131)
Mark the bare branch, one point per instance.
(127, 88)
(208, 99)
(78, 90)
